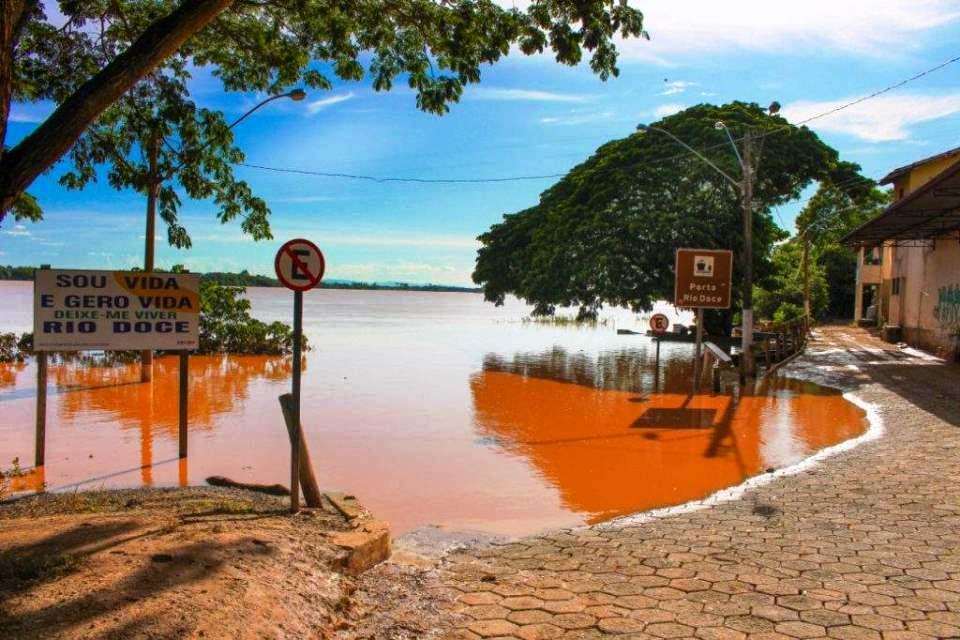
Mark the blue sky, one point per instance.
(529, 116)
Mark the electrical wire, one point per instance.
(551, 176)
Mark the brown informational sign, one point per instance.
(76, 310)
(703, 278)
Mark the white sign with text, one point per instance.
(80, 310)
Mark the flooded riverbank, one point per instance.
(433, 408)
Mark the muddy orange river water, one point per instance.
(431, 408)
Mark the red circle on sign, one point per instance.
(300, 276)
(659, 323)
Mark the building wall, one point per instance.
(938, 308)
(927, 303)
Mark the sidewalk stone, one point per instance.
(863, 546)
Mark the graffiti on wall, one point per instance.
(947, 309)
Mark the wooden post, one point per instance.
(184, 400)
(311, 490)
(41, 443)
(295, 439)
(698, 352)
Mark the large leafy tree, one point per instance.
(838, 206)
(156, 141)
(607, 232)
(436, 46)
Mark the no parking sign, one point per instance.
(299, 265)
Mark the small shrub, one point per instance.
(226, 325)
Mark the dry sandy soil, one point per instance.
(184, 563)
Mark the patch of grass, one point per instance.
(211, 507)
(37, 567)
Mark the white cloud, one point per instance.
(690, 28)
(356, 239)
(528, 95)
(575, 119)
(673, 87)
(668, 109)
(885, 118)
(319, 105)
(868, 27)
(394, 240)
(18, 231)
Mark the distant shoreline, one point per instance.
(246, 279)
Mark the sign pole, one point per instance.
(299, 266)
(697, 358)
(295, 436)
(41, 443)
(184, 399)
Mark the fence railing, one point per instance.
(777, 341)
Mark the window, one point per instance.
(895, 286)
(873, 255)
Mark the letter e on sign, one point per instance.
(299, 265)
(659, 323)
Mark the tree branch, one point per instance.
(48, 142)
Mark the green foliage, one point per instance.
(787, 312)
(10, 272)
(26, 207)
(607, 232)
(838, 207)
(781, 294)
(13, 348)
(226, 325)
(193, 149)
(271, 45)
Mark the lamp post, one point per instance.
(745, 187)
(154, 180)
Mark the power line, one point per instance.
(351, 176)
(881, 91)
(550, 176)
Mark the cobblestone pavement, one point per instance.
(865, 545)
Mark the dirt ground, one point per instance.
(184, 563)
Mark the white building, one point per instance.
(908, 269)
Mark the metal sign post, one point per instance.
(659, 324)
(299, 266)
(703, 281)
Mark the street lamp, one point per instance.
(745, 187)
(154, 180)
(296, 95)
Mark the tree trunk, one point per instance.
(13, 16)
(149, 249)
(805, 262)
(48, 142)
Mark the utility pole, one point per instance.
(153, 186)
(746, 341)
(805, 265)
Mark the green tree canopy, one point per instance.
(607, 232)
(839, 206)
(270, 45)
(155, 140)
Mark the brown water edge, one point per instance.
(552, 438)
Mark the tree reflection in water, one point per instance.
(594, 429)
(217, 386)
